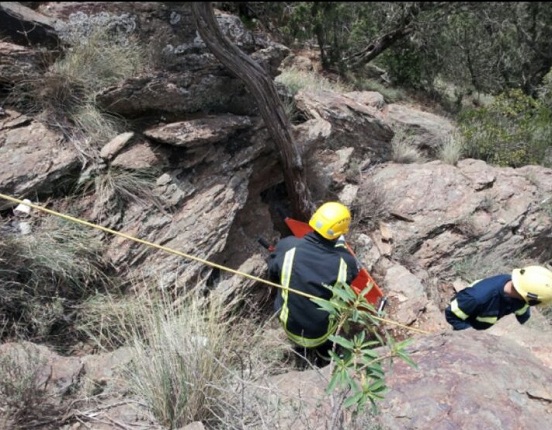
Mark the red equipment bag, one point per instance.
(374, 296)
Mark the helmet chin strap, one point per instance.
(532, 299)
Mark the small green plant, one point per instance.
(357, 374)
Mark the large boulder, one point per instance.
(35, 159)
(461, 380)
(471, 210)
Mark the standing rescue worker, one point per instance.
(307, 264)
(484, 302)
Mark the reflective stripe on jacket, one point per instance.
(483, 303)
(307, 265)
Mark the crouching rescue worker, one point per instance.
(307, 264)
(486, 301)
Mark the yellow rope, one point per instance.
(181, 254)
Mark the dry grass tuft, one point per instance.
(117, 187)
(26, 402)
(65, 96)
(43, 273)
(404, 152)
(296, 80)
(195, 361)
(452, 149)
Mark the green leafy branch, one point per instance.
(357, 367)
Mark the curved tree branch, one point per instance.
(261, 86)
(405, 24)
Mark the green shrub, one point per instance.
(545, 91)
(514, 130)
(405, 65)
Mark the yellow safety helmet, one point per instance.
(331, 220)
(534, 283)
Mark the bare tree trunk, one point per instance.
(261, 86)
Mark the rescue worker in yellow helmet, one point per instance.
(486, 301)
(307, 264)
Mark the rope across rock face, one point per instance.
(179, 253)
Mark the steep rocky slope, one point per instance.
(219, 187)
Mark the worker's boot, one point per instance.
(303, 358)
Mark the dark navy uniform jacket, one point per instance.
(483, 304)
(307, 264)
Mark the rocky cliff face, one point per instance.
(218, 188)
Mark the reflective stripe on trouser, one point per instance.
(457, 311)
(488, 320)
(284, 312)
